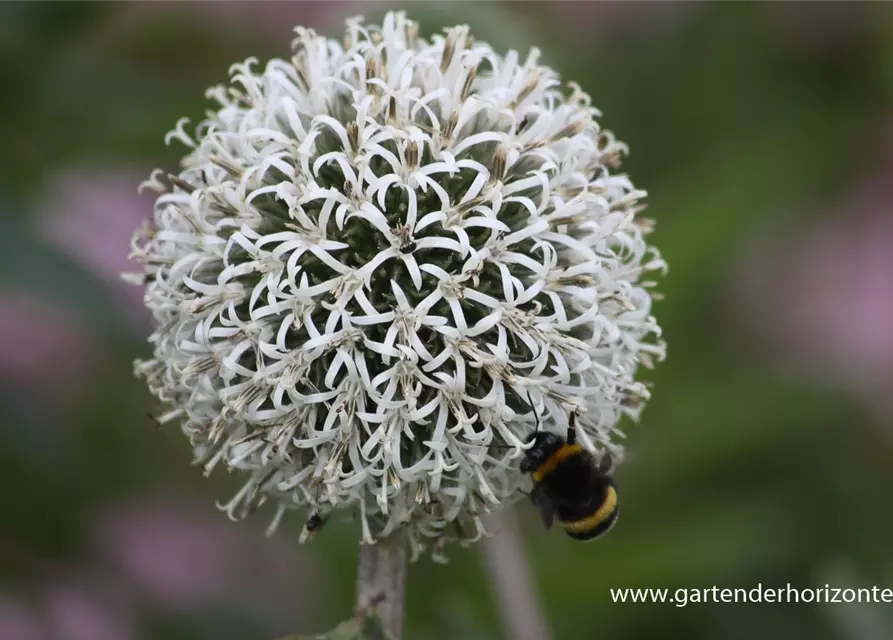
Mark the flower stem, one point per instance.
(381, 575)
(512, 580)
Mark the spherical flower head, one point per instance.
(383, 261)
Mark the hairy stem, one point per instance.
(381, 578)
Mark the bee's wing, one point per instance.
(544, 503)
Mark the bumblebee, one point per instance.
(570, 484)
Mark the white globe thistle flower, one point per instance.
(374, 254)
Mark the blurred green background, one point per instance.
(764, 135)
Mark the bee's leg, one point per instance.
(544, 503)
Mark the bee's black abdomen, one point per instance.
(591, 518)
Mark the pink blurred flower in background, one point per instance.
(175, 557)
(68, 608)
(824, 303)
(44, 349)
(75, 611)
(588, 19)
(265, 18)
(169, 555)
(824, 29)
(183, 555)
(91, 215)
(18, 621)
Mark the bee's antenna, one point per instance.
(535, 414)
(572, 428)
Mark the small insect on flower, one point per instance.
(314, 523)
(570, 483)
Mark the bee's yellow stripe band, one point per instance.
(552, 462)
(591, 522)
